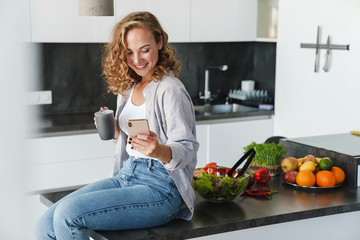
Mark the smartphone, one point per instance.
(138, 126)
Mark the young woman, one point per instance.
(151, 183)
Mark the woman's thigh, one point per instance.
(119, 208)
(45, 225)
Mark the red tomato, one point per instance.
(212, 164)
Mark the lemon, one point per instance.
(325, 164)
(310, 166)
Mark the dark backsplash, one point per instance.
(73, 72)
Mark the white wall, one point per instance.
(15, 76)
(309, 103)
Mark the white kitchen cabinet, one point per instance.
(174, 15)
(184, 21)
(224, 142)
(223, 21)
(62, 162)
(59, 21)
(202, 132)
(65, 161)
(267, 20)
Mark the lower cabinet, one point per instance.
(62, 162)
(65, 161)
(224, 142)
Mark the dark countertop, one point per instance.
(75, 123)
(289, 204)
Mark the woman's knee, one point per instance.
(44, 229)
(65, 212)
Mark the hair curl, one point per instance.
(118, 75)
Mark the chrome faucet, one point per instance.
(207, 93)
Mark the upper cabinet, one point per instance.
(267, 20)
(59, 21)
(183, 20)
(223, 21)
(174, 15)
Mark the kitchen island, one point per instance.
(247, 213)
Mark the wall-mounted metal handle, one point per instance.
(324, 46)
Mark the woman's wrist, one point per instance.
(164, 154)
(117, 132)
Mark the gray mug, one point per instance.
(105, 124)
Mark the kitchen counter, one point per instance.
(289, 204)
(78, 123)
(345, 143)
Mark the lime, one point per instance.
(325, 164)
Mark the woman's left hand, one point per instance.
(149, 146)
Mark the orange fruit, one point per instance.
(325, 178)
(305, 178)
(339, 174)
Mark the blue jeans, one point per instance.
(142, 195)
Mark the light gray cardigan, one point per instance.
(170, 113)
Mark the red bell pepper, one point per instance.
(262, 175)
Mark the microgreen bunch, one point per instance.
(267, 154)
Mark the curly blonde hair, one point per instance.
(118, 75)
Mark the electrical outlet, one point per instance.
(39, 97)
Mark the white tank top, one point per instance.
(131, 111)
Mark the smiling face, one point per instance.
(143, 52)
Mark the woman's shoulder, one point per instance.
(170, 81)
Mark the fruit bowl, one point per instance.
(314, 188)
(219, 187)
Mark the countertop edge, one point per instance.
(246, 224)
(270, 220)
(153, 233)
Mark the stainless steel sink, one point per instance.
(222, 109)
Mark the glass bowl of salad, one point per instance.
(221, 184)
(214, 185)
